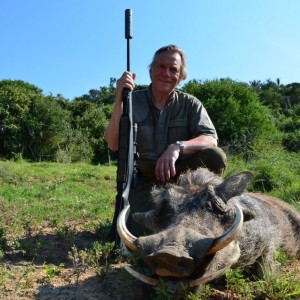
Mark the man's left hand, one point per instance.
(165, 166)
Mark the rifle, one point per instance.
(126, 171)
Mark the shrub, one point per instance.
(239, 117)
(291, 141)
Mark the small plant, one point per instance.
(79, 260)
(5, 275)
(99, 254)
(202, 293)
(28, 229)
(52, 271)
(67, 235)
(94, 256)
(27, 279)
(282, 257)
(136, 260)
(282, 287)
(103, 229)
(238, 286)
(107, 250)
(163, 291)
(29, 248)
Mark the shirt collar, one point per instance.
(150, 97)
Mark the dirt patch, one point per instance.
(36, 284)
(60, 265)
(42, 266)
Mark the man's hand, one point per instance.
(165, 166)
(125, 81)
(112, 130)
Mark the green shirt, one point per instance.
(182, 119)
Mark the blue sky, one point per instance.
(71, 46)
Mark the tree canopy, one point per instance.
(46, 127)
(241, 120)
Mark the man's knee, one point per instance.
(214, 159)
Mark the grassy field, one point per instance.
(50, 194)
(54, 219)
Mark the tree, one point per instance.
(105, 95)
(284, 102)
(15, 99)
(44, 128)
(242, 122)
(89, 119)
(31, 124)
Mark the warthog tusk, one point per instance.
(141, 277)
(127, 238)
(191, 283)
(226, 238)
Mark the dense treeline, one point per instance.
(38, 127)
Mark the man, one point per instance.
(174, 130)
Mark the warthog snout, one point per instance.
(168, 262)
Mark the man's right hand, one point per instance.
(126, 81)
(112, 130)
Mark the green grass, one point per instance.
(54, 219)
(81, 194)
(275, 172)
(33, 193)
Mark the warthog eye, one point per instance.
(209, 206)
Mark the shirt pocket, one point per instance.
(178, 130)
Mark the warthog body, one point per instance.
(203, 225)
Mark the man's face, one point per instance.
(165, 73)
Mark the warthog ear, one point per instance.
(233, 186)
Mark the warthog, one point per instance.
(203, 225)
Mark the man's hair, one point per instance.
(172, 49)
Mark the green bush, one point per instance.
(275, 171)
(31, 125)
(291, 141)
(242, 122)
(266, 178)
